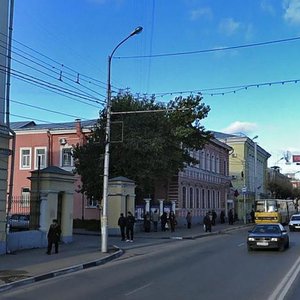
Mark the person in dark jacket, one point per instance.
(189, 220)
(163, 221)
(130, 220)
(53, 236)
(172, 220)
(222, 217)
(122, 225)
(147, 222)
(207, 222)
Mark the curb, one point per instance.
(64, 271)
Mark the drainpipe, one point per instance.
(50, 148)
(12, 165)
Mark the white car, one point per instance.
(294, 223)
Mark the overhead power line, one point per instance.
(212, 50)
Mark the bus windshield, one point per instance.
(266, 206)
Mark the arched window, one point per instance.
(203, 198)
(207, 161)
(213, 163)
(197, 198)
(183, 197)
(191, 197)
(208, 198)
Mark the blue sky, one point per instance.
(60, 39)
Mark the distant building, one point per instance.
(202, 187)
(248, 170)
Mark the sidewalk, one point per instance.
(28, 266)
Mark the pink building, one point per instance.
(48, 145)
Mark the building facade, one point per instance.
(248, 165)
(38, 146)
(203, 187)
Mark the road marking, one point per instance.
(286, 282)
(241, 244)
(138, 289)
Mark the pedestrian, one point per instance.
(130, 220)
(252, 214)
(214, 217)
(172, 220)
(53, 236)
(155, 219)
(222, 217)
(207, 222)
(122, 225)
(230, 217)
(147, 222)
(163, 221)
(189, 220)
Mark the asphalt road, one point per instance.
(216, 267)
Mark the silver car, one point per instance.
(294, 223)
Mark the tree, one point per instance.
(149, 143)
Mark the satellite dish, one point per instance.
(287, 157)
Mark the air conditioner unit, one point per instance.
(62, 141)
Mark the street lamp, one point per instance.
(255, 167)
(107, 144)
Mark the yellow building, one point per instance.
(248, 165)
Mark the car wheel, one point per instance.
(291, 229)
(281, 247)
(249, 248)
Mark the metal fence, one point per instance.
(29, 205)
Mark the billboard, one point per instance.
(296, 158)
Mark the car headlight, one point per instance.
(250, 239)
(274, 239)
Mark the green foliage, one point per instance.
(149, 143)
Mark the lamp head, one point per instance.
(255, 137)
(138, 30)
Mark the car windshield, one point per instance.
(266, 229)
(295, 218)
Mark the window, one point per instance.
(191, 197)
(91, 202)
(203, 198)
(66, 158)
(25, 197)
(208, 198)
(25, 158)
(197, 198)
(40, 154)
(184, 197)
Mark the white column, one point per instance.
(147, 207)
(43, 216)
(161, 206)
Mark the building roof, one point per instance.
(30, 125)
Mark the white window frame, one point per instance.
(62, 160)
(25, 197)
(36, 157)
(28, 165)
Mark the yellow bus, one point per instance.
(274, 210)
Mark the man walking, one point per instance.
(130, 220)
(53, 236)
(122, 225)
(155, 218)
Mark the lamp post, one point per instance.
(107, 144)
(255, 167)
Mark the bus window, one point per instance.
(260, 206)
(272, 207)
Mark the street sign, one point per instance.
(244, 189)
